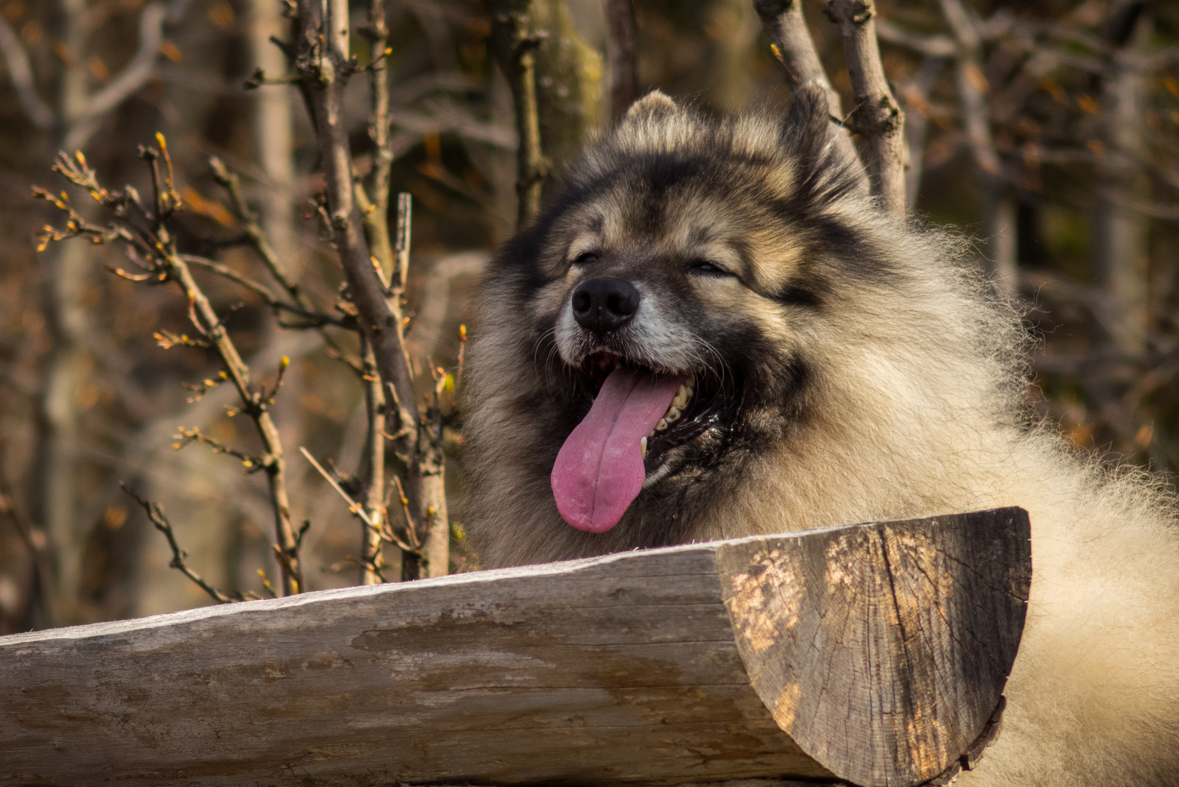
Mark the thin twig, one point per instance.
(373, 192)
(411, 530)
(249, 220)
(353, 506)
(36, 540)
(252, 464)
(270, 591)
(314, 319)
(225, 272)
(368, 568)
(373, 471)
(156, 514)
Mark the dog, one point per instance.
(714, 331)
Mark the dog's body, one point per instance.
(829, 365)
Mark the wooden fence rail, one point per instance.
(871, 654)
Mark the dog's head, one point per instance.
(672, 310)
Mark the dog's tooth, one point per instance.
(673, 415)
(680, 399)
(643, 447)
(661, 426)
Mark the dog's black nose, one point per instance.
(604, 305)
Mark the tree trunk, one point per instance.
(556, 83)
(273, 133)
(275, 150)
(1120, 230)
(66, 271)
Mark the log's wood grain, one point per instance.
(873, 654)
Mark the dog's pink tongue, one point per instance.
(599, 470)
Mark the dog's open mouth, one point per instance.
(638, 415)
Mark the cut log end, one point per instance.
(901, 633)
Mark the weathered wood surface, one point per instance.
(874, 654)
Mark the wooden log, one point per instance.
(873, 654)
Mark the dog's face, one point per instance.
(668, 283)
(652, 327)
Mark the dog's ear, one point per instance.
(808, 121)
(653, 106)
(809, 137)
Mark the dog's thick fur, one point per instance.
(860, 373)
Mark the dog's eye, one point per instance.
(585, 258)
(708, 268)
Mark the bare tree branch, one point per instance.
(256, 405)
(516, 44)
(372, 475)
(39, 605)
(930, 46)
(876, 114)
(21, 74)
(372, 192)
(155, 249)
(324, 66)
(795, 50)
(156, 514)
(998, 202)
(353, 506)
(131, 78)
(249, 219)
(314, 319)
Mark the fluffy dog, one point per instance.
(715, 332)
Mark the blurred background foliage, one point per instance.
(1076, 161)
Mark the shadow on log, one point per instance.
(871, 654)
